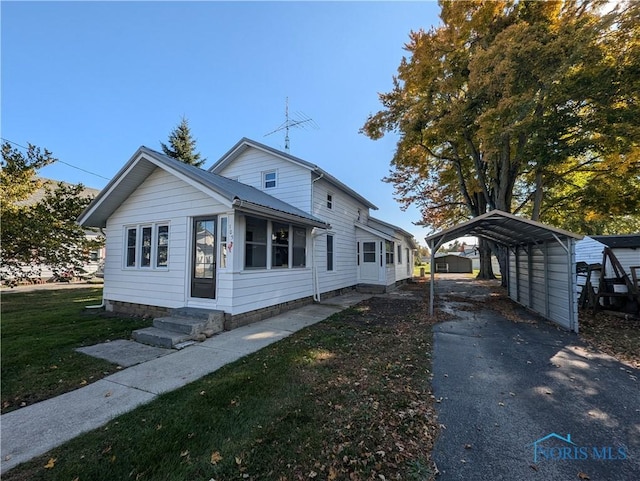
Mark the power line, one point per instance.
(58, 160)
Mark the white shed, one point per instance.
(626, 248)
(541, 261)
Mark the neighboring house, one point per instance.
(260, 231)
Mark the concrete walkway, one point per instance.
(36, 429)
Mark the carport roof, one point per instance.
(503, 228)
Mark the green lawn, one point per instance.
(416, 270)
(347, 398)
(40, 331)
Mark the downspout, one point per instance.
(315, 232)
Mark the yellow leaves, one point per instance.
(582, 475)
(215, 457)
(51, 463)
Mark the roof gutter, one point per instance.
(257, 209)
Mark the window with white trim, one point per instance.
(299, 247)
(399, 254)
(286, 244)
(329, 200)
(255, 254)
(223, 239)
(389, 252)
(270, 179)
(279, 244)
(329, 252)
(132, 233)
(147, 246)
(162, 246)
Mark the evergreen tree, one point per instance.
(182, 145)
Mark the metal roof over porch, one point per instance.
(518, 234)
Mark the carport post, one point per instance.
(433, 246)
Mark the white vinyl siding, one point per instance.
(162, 199)
(342, 218)
(293, 181)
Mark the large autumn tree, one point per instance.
(39, 230)
(182, 145)
(517, 106)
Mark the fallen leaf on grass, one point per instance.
(50, 464)
(215, 457)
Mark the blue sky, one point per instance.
(92, 81)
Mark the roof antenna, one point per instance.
(298, 120)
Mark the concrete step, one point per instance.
(153, 336)
(197, 313)
(185, 325)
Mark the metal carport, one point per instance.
(541, 262)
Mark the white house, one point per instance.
(260, 231)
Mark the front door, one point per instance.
(203, 277)
(369, 268)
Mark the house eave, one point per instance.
(251, 208)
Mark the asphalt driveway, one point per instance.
(526, 400)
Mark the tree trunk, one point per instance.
(486, 270)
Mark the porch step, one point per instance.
(183, 325)
(153, 336)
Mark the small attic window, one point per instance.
(329, 201)
(269, 179)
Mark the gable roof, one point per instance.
(382, 224)
(503, 228)
(629, 241)
(244, 144)
(234, 194)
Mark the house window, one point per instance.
(131, 247)
(329, 201)
(256, 243)
(408, 262)
(269, 179)
(329, 252)
(286, 243)
(145, 258)
(162, 249)
(368, 251)
(223, 248)
(279, 245)
(389, 252)
(399, 254)
(144, 243)
(299, 247)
